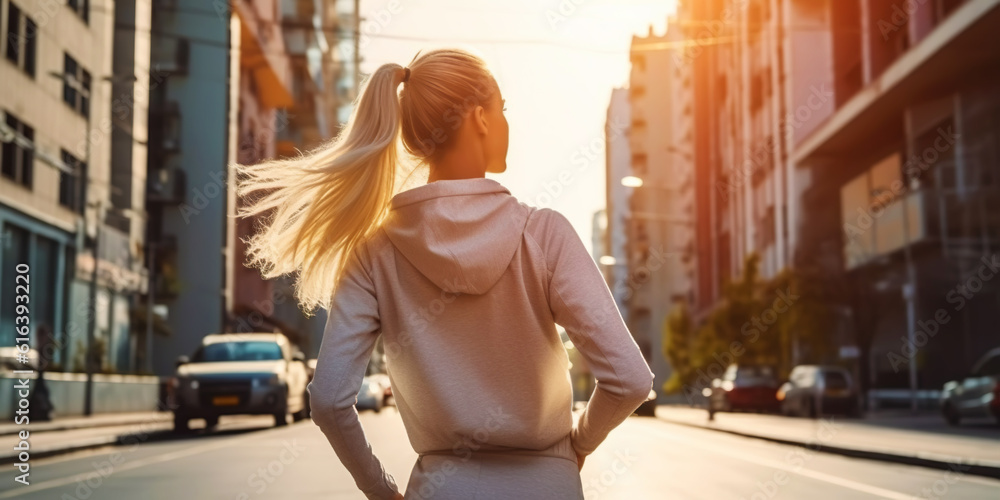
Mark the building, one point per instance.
(659, 218)
(815, 124)
(618, 161)
(192, 141)
(68, 87)
(315, 46)
(265, 92)
(284, 94)
(904, 162)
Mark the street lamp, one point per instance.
(632, 181)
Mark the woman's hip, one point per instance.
(486, 474)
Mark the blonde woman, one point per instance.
(463, 282)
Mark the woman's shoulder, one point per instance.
(547, 225)
(372, 247)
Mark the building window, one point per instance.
(76, 86)
(21, 37)
(71, 185)
(81, 7)
(18, 154)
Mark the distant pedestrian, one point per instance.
(39, 404)
(464, 283)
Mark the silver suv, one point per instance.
(976, 395)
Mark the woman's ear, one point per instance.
(479, 119)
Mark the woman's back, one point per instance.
(466, 284)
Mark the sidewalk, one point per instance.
(65, 435)
(923, 440)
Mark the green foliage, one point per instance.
(756, 321)
(677, 333)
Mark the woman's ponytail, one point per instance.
(317, 207)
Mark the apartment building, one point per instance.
(618, 161)
(70, 101)
(659, 220)
(903, 203)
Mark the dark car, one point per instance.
(975, 395)
(814, 391)
(743, 388)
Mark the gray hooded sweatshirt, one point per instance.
(466, 284)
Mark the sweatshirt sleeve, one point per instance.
(352, 328)
(582, 303)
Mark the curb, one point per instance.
(974, 469)
(70, 427)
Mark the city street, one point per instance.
(644, 458)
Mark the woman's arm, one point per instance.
(582, 303)
(351, 329)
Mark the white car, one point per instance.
(374, 392)
(240, 374)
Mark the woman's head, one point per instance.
(451, 105)
(314, 209)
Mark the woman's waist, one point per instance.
(466, 449)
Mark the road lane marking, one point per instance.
(54, 483)
(819, 476)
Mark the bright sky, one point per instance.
(556, 62)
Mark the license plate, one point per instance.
(225, 400)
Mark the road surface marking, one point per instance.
(54, 483)
(820, 476)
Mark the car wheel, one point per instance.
(951, 415)
(281, 418)
(303, 412)
(855, 410)
(211, 422)
(181, 423)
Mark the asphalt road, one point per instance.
(246, 458)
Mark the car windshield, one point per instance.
(755, 374)
(238, 351)
(835, 380)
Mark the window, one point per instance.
(76, 86)
(71, 185)
(81, 7)
(21, 38)
(238, 351)
(18, 154)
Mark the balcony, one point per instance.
(166, 186)
(959, 221)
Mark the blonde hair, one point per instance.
(316, 208)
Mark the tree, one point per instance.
(756, 322)
(677, 331)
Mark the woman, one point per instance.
(463, 282)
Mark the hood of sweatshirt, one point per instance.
(461, 234)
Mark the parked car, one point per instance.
(743, 387)
(814, 391)
(240, 374)
(374, 392)
(975, 395)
